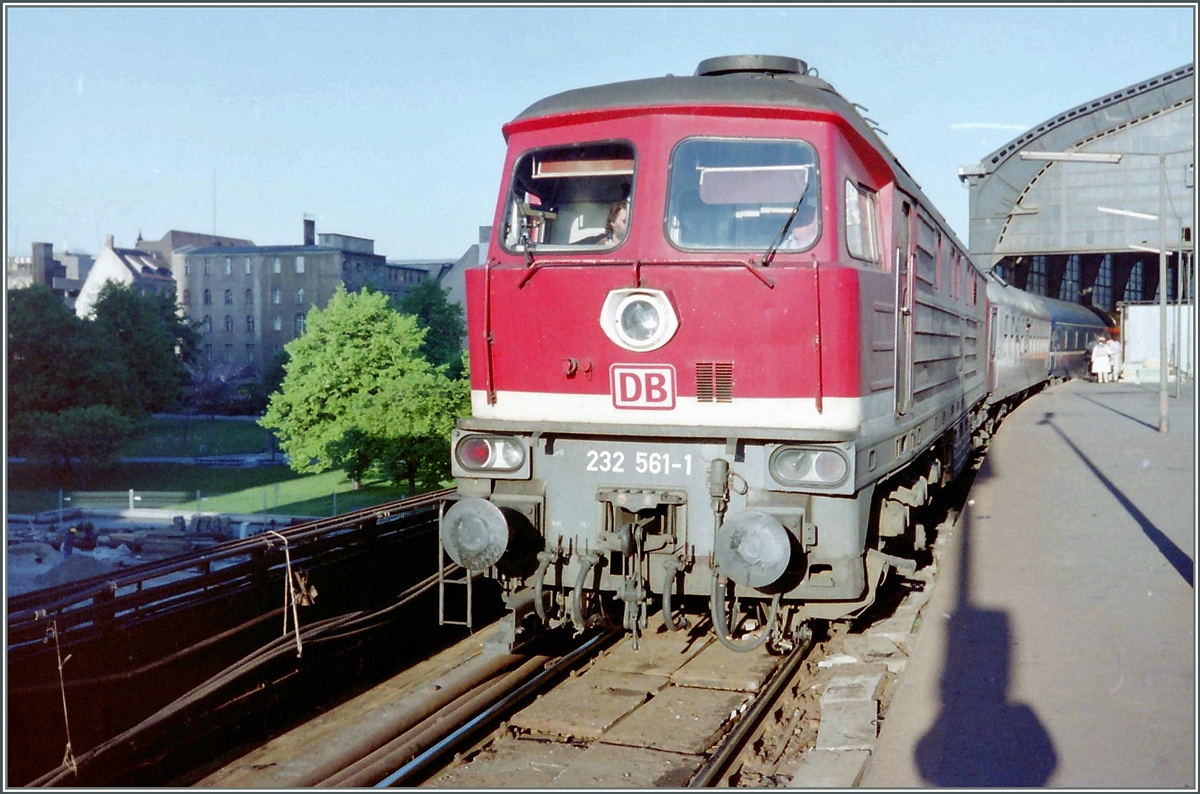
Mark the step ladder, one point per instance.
(462, 577)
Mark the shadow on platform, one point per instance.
(980, 738)
(1176, 556)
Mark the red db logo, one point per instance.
(643, 386)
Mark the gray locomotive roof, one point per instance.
(739, 88)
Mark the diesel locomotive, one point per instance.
(723, 350)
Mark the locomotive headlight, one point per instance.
(477, 453)
(638, 319)
(798, 466)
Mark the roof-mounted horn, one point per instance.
(750, 64)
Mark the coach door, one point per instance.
(904, 311)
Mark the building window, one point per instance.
(299, 264)
(247, 266)
(277, 295)
(208, 352)
(275, 266)
(249, 297)
(228, 354)
(1134, 284)
(300, 295)
(299, 324)
(187, 297)
(249, 323)
(206, 325)
(1068, 290)
(228, 297)
(208, 297)
(249, 354)
(1102, 288)
(228, 266)
(1036, 282)
(207, 268)
(187, 269)
(277, 323)
(229, 322)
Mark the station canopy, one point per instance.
(1089, 231)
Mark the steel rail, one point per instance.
(409, 773)
(275, 649)
(725, 754)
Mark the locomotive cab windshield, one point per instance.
(745, 195)
(572, 197)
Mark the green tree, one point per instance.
(356, 394)
(443, 322)
(57, 361)
(90, 434)
(145, 333)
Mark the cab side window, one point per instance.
(862, 226)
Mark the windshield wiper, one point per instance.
(787, 225)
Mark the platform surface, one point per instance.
(1058, 646)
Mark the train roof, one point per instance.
(753, 80)
(1057, 311)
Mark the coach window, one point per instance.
(745, 195)
(563, 198)
(861, 226)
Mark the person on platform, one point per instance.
(1102, 360)
(1114, 353)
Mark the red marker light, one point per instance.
(474, 452)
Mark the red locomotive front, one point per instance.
(683, 348)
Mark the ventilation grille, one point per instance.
(714, 381)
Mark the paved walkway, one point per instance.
(1058, 647)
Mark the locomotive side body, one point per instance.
(759, 381)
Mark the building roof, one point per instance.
(143, 264)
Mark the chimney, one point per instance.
(109, 242)
(310, 231)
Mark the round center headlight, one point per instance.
(640, 319)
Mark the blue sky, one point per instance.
(384, 122)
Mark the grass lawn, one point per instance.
(197, 435)
(265, 489)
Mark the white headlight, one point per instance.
(638, 319)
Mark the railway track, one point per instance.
(591, 711)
